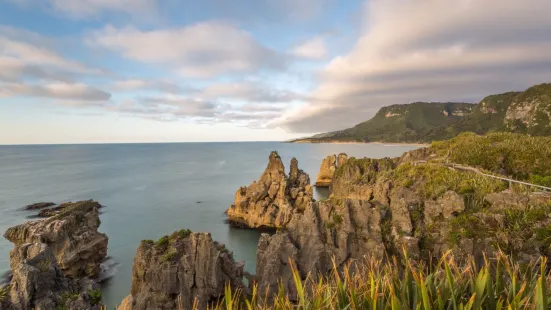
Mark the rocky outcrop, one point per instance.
(356, 178)
(508, 200)
(53, 260)
(72, 236)
(328, 167)
(174, 271)
(271, 201)
(381, 207)
(38, 283)
(329, 234)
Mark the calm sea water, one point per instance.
(151, 189)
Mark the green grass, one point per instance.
(4, 293)
(162, 242)
(497, 284)
(520, 156)
(95, 296)
(513, 230)
(433, 180)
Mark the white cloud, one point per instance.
(79, 9)
(147, 84)
(202, 50)
(311, 49)
(247, 91)
(64, 91)
(431, 50)
(30, 66)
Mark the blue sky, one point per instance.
(84, 71)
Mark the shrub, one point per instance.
(162, 242)
(95, 296)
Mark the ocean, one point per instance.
(150, 190)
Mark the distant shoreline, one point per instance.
(356, 142)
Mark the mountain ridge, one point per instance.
(527, 112)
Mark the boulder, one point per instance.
(181, 269)
(72, 236)
(271, 201)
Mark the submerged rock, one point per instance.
(72, 236)
(39, 205)
(177, 270)
(271, 201)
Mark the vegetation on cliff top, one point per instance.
(497, 284)
(519, 156)
(527, 112)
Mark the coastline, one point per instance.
(356, 142)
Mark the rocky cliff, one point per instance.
(380, 207)
(53, 259)
(271, 201)
(328, 167)
(179, 270)
(72, 236)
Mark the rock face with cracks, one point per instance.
(72, 236)
(271, 201)
(177, 270)
(53, 260)
(328, 167)
(381, 207)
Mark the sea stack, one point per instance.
(271, 201)
(328, 167)
(180, 269)
(55, 260)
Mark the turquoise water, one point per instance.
(150, 190)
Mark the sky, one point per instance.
(107, 71)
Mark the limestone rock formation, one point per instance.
(53, 260)
(174, 271)
(329, 233)
(385, 206)
(72, 237)
(328, 167)
(38, 283)
(271, 201)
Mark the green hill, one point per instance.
(527, 112)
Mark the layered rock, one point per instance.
(328, 167)
(38, 283)
(177, 270)
(72, 236)
(381, 207)
(271, 201)
(53, 260)
(329, 234)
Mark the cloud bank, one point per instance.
(430, 51)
